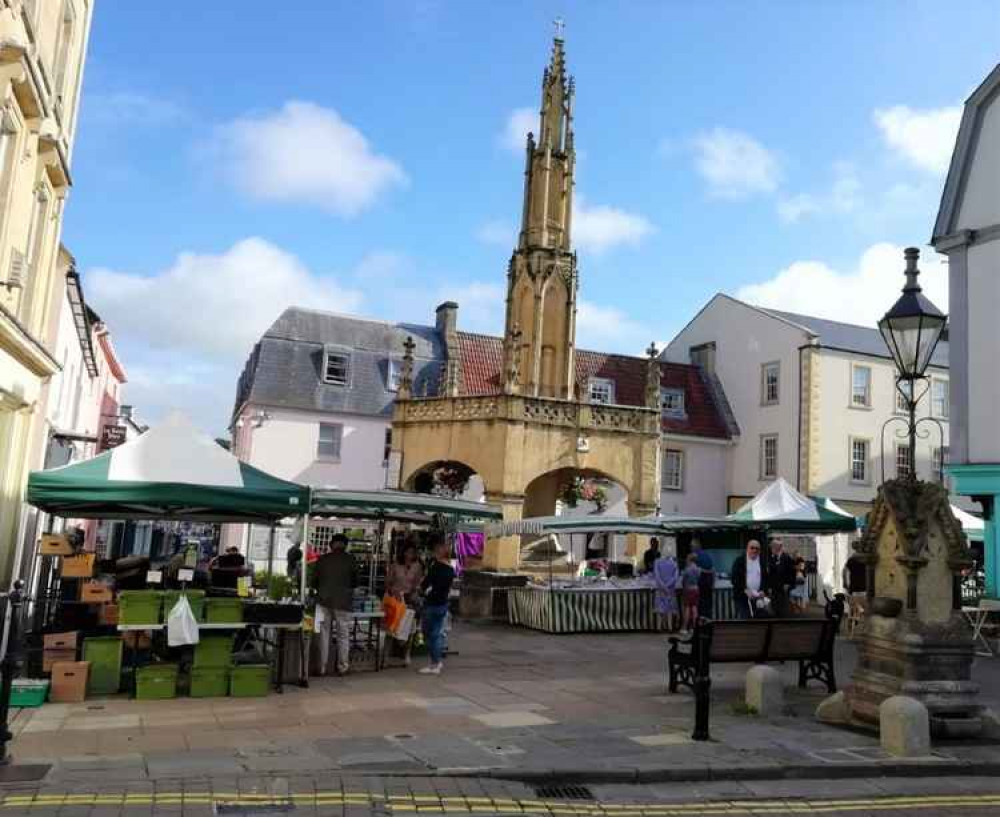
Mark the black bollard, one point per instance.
(702, 679)
(9, 666)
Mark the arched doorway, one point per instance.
(579, 492)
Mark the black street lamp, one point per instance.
(911, 330)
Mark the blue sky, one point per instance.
(365, 157)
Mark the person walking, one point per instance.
(780, 577)
(706, 584)
(436, 587)
(749, 576)
(665, 577)
(334, 580)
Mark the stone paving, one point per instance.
(511, 703)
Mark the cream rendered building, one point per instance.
(42, 49)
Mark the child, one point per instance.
(797, 596)
(689, 594)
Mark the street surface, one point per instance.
(513, 707)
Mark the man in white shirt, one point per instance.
(749, 580)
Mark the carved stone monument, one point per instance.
(915, 640)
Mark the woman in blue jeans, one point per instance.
(435, 589)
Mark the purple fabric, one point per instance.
(468, 545)
(665, 576)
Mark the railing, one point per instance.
(537, 410)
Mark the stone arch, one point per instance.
(421, 480)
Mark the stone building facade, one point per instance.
(42, 49)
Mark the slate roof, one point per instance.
(482, 362)
(849, 337)
(285, 367)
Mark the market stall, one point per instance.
(170, 472)
(822, 530)
(602, 603)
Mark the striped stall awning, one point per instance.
(595, 611)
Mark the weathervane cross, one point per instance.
(559, 24)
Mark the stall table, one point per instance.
(595, 609)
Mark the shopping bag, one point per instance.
(392, 610)
(182, 629)
(404, 627)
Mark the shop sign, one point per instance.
(112, 437)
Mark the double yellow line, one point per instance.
(434, 804)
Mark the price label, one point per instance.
(154, 577)
(185, 575)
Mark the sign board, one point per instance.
(112, 437)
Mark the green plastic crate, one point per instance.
(196, 598)
(105, 657)
(139, 606)
(250, 681)
(214, 651)
(156, 682)
(223, 610)
(28, 693)
(209, 682)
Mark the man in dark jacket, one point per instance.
(334, 581)
(749, 576)
(780, 577)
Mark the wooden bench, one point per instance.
(755, 641)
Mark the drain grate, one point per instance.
(563, 793)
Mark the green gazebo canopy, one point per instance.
(171, 472)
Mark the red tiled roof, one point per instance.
(481, 358)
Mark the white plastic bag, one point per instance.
(182, 629)
(405, 626)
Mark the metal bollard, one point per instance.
(702, 680)
(9, 666)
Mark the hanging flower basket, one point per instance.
(579, 490)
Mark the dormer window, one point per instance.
(672, 402)
(601, 390)
(336, 367)
(392, 369)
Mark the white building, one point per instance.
(811, 397)
(967, 230)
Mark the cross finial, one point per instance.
(559, 24)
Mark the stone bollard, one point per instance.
(765, 690)
(904, 727)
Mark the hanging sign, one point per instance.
(112, 437)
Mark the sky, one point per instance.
(367, 158)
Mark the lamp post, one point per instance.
(911, 330)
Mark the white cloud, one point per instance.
(520, 122)
(925, 138)
(597, 228)
(844, 196)
(735, 165)
(131, 108)
(859, 296)
(607, 328)
(185, 331)
(305, 153)
(497, 232)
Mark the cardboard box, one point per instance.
(53, 657)
(61, 641)
(69, 682)
(80, 566)
(96, 593)
(55, 544)
(107, 615)
(137, 640)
